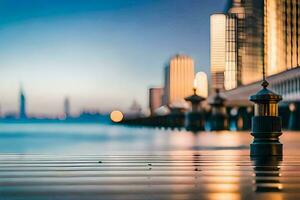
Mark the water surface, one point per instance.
(92, 161)
(109, 139)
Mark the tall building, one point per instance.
(67, 107)
(22, 101)
(260, 33)
(224, 51)
(231, 73)
(179, 77)
(281, 35)
(217, 50)
(244, 42)
(155, 98)
(253, 54)
(201, 84)
(271, 31)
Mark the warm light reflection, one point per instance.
(116, 116)
(267, 176)
(215, 177)
(227, 182)
(224, 196)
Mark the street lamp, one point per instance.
(266, 124)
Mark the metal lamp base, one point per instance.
(266, 131)
(266, 149)
(194, 121)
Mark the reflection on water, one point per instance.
(163, 164)
(267, 173)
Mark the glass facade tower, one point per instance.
(217, 50)
(260, 32)
(282, 29)
(231, 67)
(245, 29)
(253, 54)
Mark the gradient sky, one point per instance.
(102, 54)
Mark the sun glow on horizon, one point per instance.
(116, 116)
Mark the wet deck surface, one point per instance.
(107, 162)
(195, 176)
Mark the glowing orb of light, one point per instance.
(292, 107)
(116, 116)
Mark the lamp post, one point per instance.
(266, 124)
(194, 119)
(219, 119)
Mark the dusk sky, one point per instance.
(102, 54)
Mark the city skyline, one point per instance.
(91, 51)
(250, 35)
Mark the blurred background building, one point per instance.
(67, 107)
(179, 77)
(22, 111)
(155, 98)
(135, 110)
(201, 84)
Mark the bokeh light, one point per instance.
(116, 116)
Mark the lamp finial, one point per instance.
(265, 82)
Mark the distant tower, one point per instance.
(217, 50)
(22, 113)
(67, 107)
(135, 107)
(179, 78)
(155, 97)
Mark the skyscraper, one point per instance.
(22, 101)
(67, 107)
(231, 74)
(155, 98)
(260, 33)
(253, 53)
(244, 42)
(225, 49)
(281, 35)
(217, 50)
(201, 84)
(179, 77)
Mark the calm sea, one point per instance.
(118, 162)
(111, 139)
